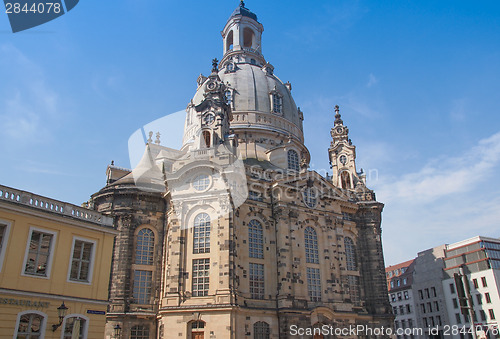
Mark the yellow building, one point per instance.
(52, 254)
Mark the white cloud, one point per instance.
(372, 80)
(28, 106)
(449, 199)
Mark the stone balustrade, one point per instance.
(50, 205)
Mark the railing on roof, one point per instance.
(54, 206)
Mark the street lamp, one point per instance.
(117, 330)
(61, 312)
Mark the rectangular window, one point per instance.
(492, 314)
(142, 286)
(4, 236)
(426, 323)
(420, 294)
(395, 310)
(201, 273)
(483, 281)
(479, 298)
(82, 260)
(38, 254)
(474, 282)
(422, 307)
(257, 281)
(438, 319)
(487, 296)
(483, 315)
(410, 323)
(401, 309)
(393, 297)
(400, 296)
(432, 321)
(429, 307)
(436, 306)
(408, 308)
(403, 323)
(458, 319)
(314, 284)
(433, 290)
(455, 303)
(407, 296)
(452, 288)
(427, 293)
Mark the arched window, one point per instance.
(293, 160)
(310, 197)
(255, 239)
(201, 233)
(248, 37)
(350, 254)
(30, 324)
(74, 327)
(197, 329)
(311, 245)
(229, 41)
(261, 330)
(345, 180)
(206, 138)
(145, 247)
(139, 332)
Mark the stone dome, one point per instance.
(251, 89)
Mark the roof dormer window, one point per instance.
(276, 101)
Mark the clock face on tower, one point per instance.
(208, 118)
(340, 130)
(343, 159)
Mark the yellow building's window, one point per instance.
(81, 261)
(38, 253)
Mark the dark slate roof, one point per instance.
(243, 11)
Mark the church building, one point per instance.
(232, 236)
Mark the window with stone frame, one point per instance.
(314, 284)
(81, 261)
(4, 232)
(139, 332)
(256, 280)
(350, 254)
(200, 279)
(353, 283)
(261, 330)
(310, 197)
(255, 239)
(201, 233)
(311, 245)
(73, 325)
(293, 160)
(39, 253)
(143, 281)
(30, 326)
(144, 250)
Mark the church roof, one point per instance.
(243, 11)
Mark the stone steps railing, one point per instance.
(54, 206)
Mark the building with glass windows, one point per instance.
(232, 236)
(477, 262)
(55, 261)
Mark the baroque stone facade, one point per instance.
(232, 236)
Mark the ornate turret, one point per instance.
(213, 112)
(342, 154)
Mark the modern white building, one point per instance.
(477, 260)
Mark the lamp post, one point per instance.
(61, 312)
(117, 331)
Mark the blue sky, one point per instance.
(416, 81)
